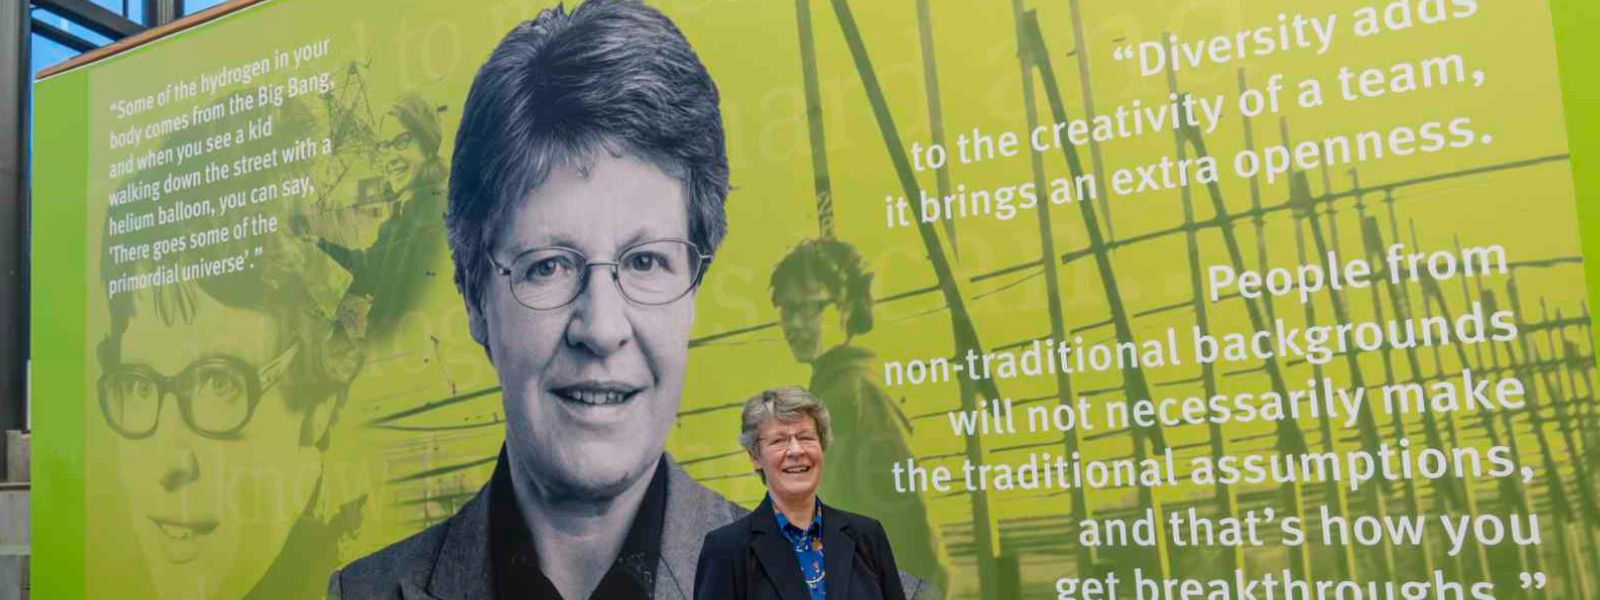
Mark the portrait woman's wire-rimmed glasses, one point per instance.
(650, 273)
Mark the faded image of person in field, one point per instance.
(388, 172)
(823, 293)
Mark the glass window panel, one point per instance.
(193, 6)
(47, 52)
(70, 26)
(132, 9)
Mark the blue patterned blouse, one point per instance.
(807, 545)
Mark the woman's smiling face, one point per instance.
(789, 456)
(590, 389)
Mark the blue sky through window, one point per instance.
(193, 6)
(47, 52)
(132, 9)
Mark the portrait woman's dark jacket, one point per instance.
(750, 559)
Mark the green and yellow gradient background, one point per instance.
(415, 474)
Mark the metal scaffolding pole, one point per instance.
(94, 17)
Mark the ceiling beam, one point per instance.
(92, 16)
(62, 36)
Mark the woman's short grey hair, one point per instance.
(786, 405)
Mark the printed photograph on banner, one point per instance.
(1062, 299)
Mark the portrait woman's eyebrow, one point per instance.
(585, 206)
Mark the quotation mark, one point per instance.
(1535, 580)
(1122, 53)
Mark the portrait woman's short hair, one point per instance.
(609, 76)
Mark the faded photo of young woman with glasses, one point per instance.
(215, 402)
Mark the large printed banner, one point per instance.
(1157, 299)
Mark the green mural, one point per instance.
(299, 296)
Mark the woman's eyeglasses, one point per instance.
(217, 395)
(651, 273)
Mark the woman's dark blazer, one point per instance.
(750, 559)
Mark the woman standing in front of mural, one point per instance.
(824, 295)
